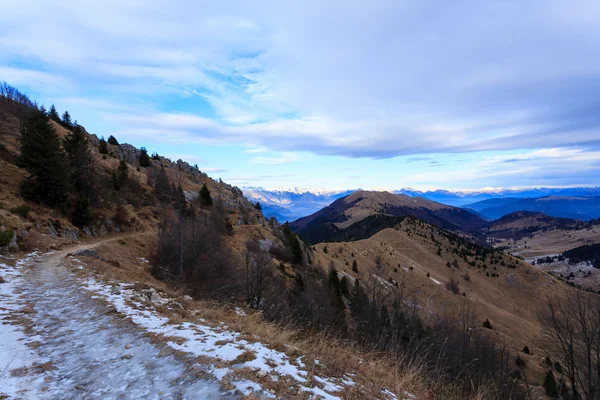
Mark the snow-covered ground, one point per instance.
(79, 351)
(64, 336)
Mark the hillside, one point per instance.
(583, 208)
(345, 215)
(524, 223)
(423, 262)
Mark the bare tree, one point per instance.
(257, 262)
(571, 326)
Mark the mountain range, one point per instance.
(289, 205)
(575, 207)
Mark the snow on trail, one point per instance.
(221, 345)
(82, 352)
(79, 346)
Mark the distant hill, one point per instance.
(363, 213)
(524, 223)
(583, 208)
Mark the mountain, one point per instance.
(462, 198)
(289, 205)
(523, 223)
(363, 213)
(583, 208)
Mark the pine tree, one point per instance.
(53, 114)
(82, 174)
(180, 202)
(205, 197)
(333, 281)
(43, 110)
(354, 266)
(550, 385)
(296, 249)
(258, 206)
(112, 140)
(144, 159)
(66, 120)
(344, 286)
(103, 149)
(43, 158)
(162, 188)
(81, 163)
(120, 176)
(286, 229)
(81, 215)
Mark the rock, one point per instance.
(155, 298)
(261, 373)
(166, 351)
(13, 245)
(126, 356)
(87, 253)
(187, 298)
(127, 346)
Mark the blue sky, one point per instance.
(327, 95)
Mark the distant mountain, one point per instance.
(289, 205)
(524, 223)
(462, 198)
(363, 213)
(583, 208)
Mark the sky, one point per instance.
(327, 94)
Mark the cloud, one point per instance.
(286, 158)
(366, 80)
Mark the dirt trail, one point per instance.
(86, 351)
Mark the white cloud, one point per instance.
(364, 80)
(285, 158)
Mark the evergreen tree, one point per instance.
(82, 175)
(334, 281)
(205, 197)
(43, 110)
(103, 149)
(66, 120)
(144, 159)
(296, 249)
(354, 266)
(120, 176)
(162, 188)
(258, 206)
(43, 158)
(550, 385)
(112, 140)
(81, 163)
(53, 114)
(180, 202)
(286, 229)
(81, 215)
(344, 286)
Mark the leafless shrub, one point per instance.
(452, 286)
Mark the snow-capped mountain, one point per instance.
(291, 204)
